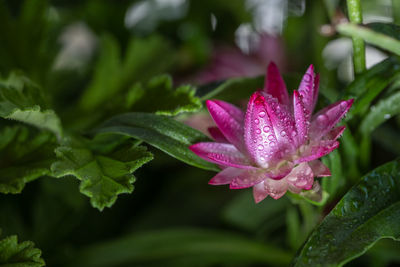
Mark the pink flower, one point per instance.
(276, 144)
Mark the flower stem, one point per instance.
(396, 11)
(355, 16)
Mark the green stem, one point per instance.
(355, 16)
(396, 11)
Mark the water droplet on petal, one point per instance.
(322, 119)
(283, 133)
(266, 129)
(260, 147)
(261, 114)
(256, 121)
(272, 143)
(258, 131)
(343, 105)
(270, 137)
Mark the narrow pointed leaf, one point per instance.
(164, 133)
(368, 212)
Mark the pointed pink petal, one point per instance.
(259, 134)
(229, 120)
(274, 84)
(283, 124)
(259, 192)
(335, 133)
(316, 89)
(217, 135)
(220, 153)
(276, 188)
(301, 116)
(324, 120)
(319, 169)
(225, 176)
(301, 176)
(248, 178)
(307, 90)
(313, 152)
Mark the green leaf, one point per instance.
(25, 155)
(21, 100)
(370, 36)
(379, 113)
(232, 89)
(367, 86)
(162, 132)
(159, 96)
(14, 254)
(368, 212)
(103, 174)
(180, 247)
(144, 59)
(388, 29)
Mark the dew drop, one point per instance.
(260, 147)
(262, 158)
(283, 133)
(343, 105)
(307, 77)
(270, 137)
(256, 121)
(261, 114)
(266, 129)
(258, 131)
(272, 143)
(322, 119)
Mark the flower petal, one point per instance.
(335, 133)
(248, 178)
(225, 176)
(324, 120)
(307, 89)
(275, 86)
(217, 135)
(220, 153)
(319, 169)
(259, 192)
(313, 152)
(259, 135)
(276, 188)
(301, 116)
(301, 176)
(229, 120)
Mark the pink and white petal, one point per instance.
(222, 154)
(275, 86)
(283, 124)
(276, 188)
(259, 192)
(313, 152)
(234, 111)
(316, 89)
(301, 176)
(217, 135)
(226, 176)
(323, 121)
(248, 178)
(319, 169)
(335, 133)
(227, 118)
(259, 135)
(306, 88)
(301, 116)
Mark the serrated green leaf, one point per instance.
(21, 100)
(14, 254)
(144, 59)
(162, 132)
(159, 96)
(370, 36)
(25, 155)
(368, 212)
(379, 113)
(103, 176)
(180, 247)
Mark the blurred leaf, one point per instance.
(232, 89)
(379, 113)
(162, 132)
(103, 176)
(180, 247)
(159, 96)
(337, 180)
(21, 100)
(293, 228)
(367, 86)
(143, 59)
(370, 36)
(19, 255)
(24, 157)
(317, 197)
(368, 212)
(388, 29)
